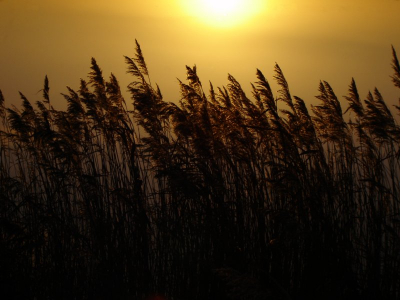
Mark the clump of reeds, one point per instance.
(219, 195)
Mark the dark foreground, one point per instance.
(217, 197)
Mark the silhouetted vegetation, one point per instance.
(218, 196)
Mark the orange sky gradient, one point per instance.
(311, 40)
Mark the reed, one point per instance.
(221, 195)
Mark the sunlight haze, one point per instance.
(310, 40)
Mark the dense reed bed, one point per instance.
(219, 196)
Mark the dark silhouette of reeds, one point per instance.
(218, 196)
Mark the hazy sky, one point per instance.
(311, 40)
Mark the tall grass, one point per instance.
(219, 196)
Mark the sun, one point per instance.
(223, 7)
(223, 13)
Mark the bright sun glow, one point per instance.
(223, 7)
(223, 13)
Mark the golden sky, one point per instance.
(311, 40)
